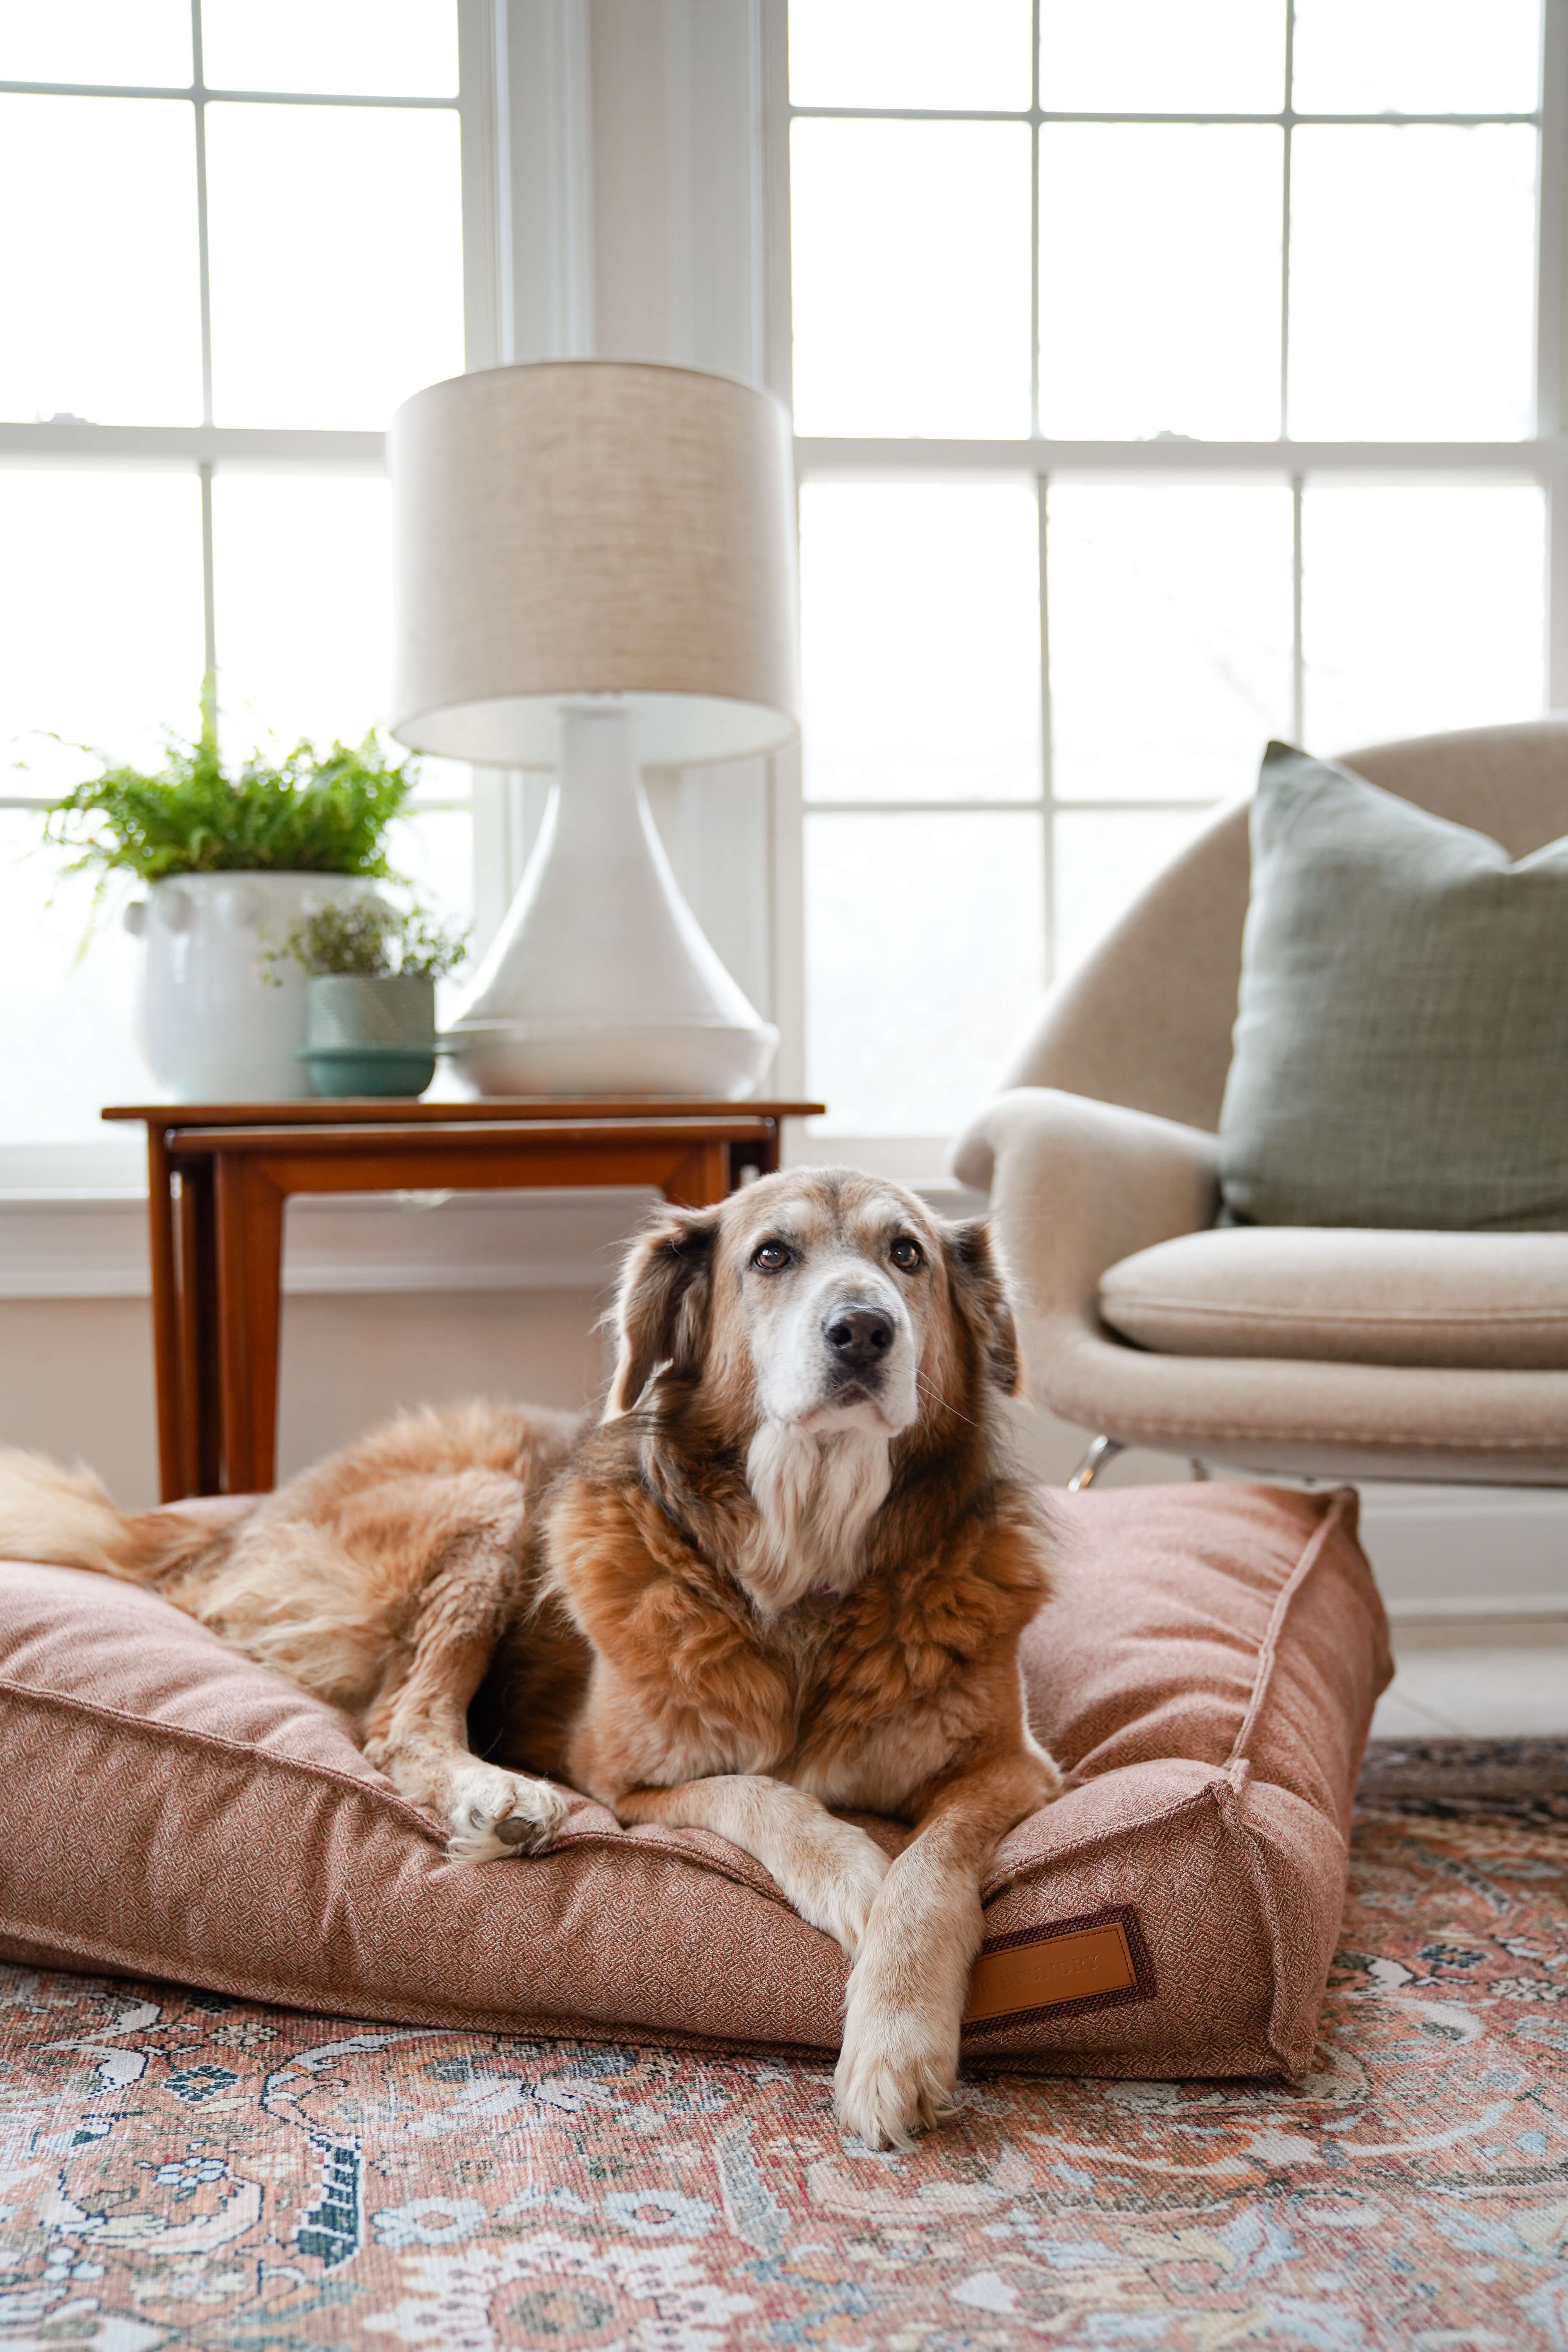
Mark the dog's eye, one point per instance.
(907, 1254)
(769, 1258)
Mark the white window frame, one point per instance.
(1541, 460)
(529, 84)
(500, 810)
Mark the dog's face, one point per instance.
(833, 1284)
(820, 1299)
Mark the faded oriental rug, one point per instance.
(180, 2169)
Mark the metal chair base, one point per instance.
(1103, 1450)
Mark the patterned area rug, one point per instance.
(180, 2169)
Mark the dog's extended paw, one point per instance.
(895, 2077)
(836, 1892)
(493, 1813)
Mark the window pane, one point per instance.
(1416, 57)
(434, 848)
(925, 956)
(1423, 609)
(336, 261)
(920, 640)
(105, 279)
(96, 40)
(100, 617)
(302, 593)
(65, 1022)
(1103, 860)
(919, 53)
(1148, 56)
(434, 851)
(375, 49)
(1170, 632)
(1412, 283)
(1160, 280)
(911, 277)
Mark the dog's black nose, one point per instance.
(858, 1337)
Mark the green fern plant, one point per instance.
(307, 812)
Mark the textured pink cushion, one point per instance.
(1208, 1671)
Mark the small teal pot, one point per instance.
(369, 1036)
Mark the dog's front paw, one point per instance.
(896, 2073)
(836, 1890)
(492, 1813)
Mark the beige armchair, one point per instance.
(1313, 1352)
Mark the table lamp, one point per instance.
(594, 569)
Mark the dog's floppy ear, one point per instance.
(661, 1307)
(981, 1297)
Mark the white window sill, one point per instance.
(93, 1245)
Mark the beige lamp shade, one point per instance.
(594, 527)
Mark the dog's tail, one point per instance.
(65, 1519)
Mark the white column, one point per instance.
(679, 275)
(528, 287)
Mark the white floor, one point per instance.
(1474, 1678)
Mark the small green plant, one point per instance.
(366, 938)
(307, 812)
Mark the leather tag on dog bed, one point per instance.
(1098, 1961)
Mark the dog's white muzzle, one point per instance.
(843, 1354)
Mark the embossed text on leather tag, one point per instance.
(1096, 1962)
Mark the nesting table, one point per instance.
(219, 1174)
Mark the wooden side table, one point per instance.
(219, 1175)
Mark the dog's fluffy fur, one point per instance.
(788, 1571)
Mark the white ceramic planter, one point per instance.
(215, 1021)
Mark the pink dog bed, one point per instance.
(1206, 1674)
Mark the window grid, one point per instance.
(286, 448)
(825, 456)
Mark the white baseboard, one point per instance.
(1436, 1551)
(1468, 1551)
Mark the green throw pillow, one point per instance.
(1401, 1048)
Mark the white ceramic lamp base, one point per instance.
(600, 981)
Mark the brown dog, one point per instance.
(786, 1571)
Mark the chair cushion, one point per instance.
(1403, 1026)
(1208, 1671)
(1471, 1302)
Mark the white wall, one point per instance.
(76, 1377)
(386, 1303)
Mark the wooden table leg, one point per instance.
(167, 1369)
(249, 1235)
(702, 1179)
(200, 1436)
(762, 1154)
